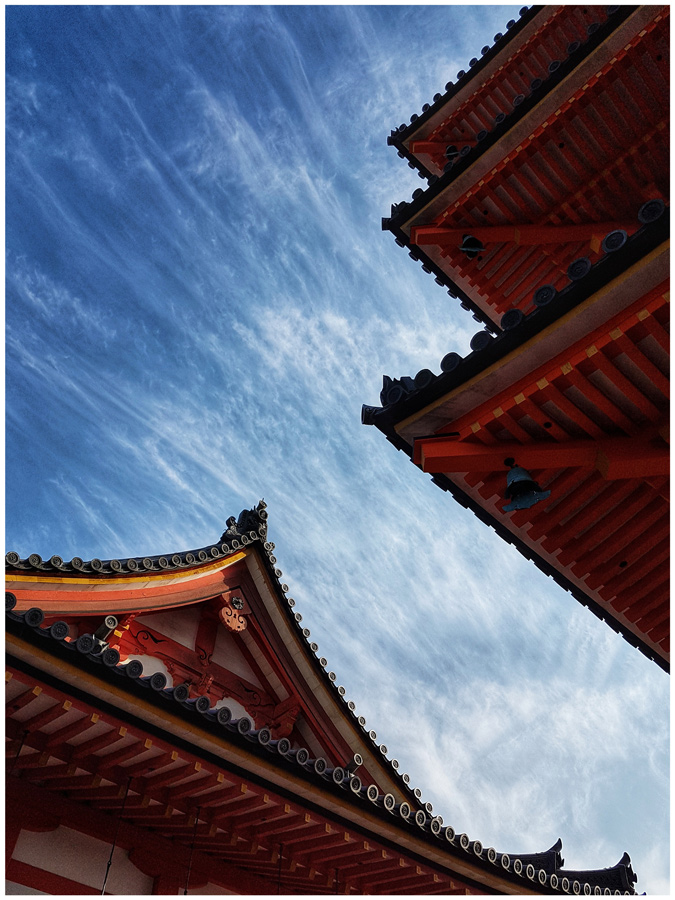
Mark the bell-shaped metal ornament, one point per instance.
(522, 490)
(471, 246)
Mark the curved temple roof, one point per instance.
(26, 620)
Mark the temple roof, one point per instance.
(250, 526)
(589, 362)
(249, 529)
(547, 41)
(28, 626)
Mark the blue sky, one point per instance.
(199, 298)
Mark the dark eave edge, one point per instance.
(397, 137)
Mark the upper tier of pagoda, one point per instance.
(542, 153)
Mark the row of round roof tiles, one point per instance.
(395, 390)
(342, 778)
(123, 566)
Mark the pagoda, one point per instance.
(172, 727)
(545, 214)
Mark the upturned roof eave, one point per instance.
(227, 551)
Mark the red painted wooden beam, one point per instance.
(618, 542)
(60, 737)
(170, 855)
(385, 866)
(43, 882)
(603, 562)
(35, 760)
(95, 794)
(47, 716)
(515, 234)
(417, 878)
(333, 846)
(343, 850)
(626, 597)
(600, 519)
(75, 782)
(649, 620)
(220, 796)
(92, 746)
(194, 786)
(614, 457)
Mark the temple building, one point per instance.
(545, 214)
(172, 728)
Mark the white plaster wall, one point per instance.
(265, 667)
(236, 708)
(152, 665)
(178, 624)
(74, 855)
(309, 740)
(229, 656)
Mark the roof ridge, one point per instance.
(250, 526)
